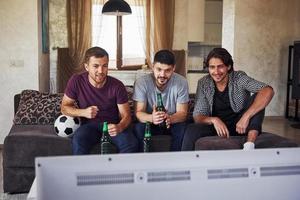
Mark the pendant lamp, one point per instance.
(116, 7)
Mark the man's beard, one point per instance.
(161, 79)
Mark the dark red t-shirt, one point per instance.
(106, 98)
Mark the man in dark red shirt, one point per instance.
(99, 98)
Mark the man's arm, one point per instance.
(68, 108)
(181, 113)
(140, 112)
(202, 119)
(125, 115)
(218, 124)
(156, 117)
(262, 99)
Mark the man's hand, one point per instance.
(158, 116)
(168, 120)
(242, 125)
(90, 112)
(113, 129)
(220, 127)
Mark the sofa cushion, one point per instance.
(219, 143)
(264, 140)
(191, 108)
(130, 101)
(37, 108)
(161, 143)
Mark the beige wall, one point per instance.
(263, 30)
(213, 22)
(20, 57)
(180, 31)
(189, 22)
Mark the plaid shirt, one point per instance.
(240, 87)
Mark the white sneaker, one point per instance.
(249, 146)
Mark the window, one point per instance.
(131, 42)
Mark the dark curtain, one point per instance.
(69, 60)
(79, 29)
(159, 26)
(65, 68)
(180, 58)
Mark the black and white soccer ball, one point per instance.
(65, 126)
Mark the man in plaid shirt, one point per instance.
(224, 105)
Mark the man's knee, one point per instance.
(178, 129)
(126, 142)
(139, 129)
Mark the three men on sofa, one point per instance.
(223, 105)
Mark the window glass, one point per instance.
(104, 35)
(134, 37)
(104, 31)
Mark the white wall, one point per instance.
(262, 32)
(18, 55)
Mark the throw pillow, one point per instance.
(130, 101)
(37, 108)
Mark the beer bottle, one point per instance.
(160, 107)
(106, 144)
(147, 138)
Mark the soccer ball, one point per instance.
(65, 126)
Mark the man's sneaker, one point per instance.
(248, 146)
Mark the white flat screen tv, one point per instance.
(230, 174)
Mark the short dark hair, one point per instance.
(98, 52)
(223, 55)
(164, 57)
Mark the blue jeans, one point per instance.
(176, 130)
(88, 135)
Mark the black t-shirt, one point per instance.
(223, 110)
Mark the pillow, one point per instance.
(36, 108)
(129, 90)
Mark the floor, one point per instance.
(283, 127)
(277, 125)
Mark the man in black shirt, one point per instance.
(224, 105)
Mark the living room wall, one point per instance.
(23, 66)
(258, 34)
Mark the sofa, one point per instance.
(32, 135)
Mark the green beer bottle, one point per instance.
(106, 145)
(161, 107)
(147, 138)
